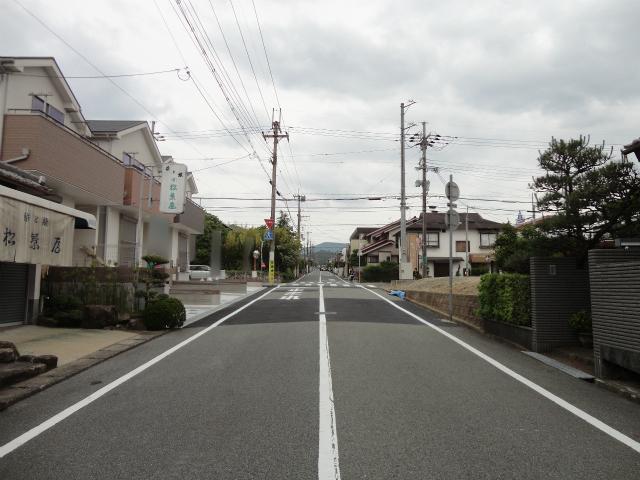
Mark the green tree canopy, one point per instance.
(590, 196)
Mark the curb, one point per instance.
(21, 390)
(620, 389)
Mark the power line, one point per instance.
(266, 110)
(265, 53)
(120, 75)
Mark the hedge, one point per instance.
(505, 297)
(384, 272)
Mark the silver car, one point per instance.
(199, 272)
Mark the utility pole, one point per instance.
(276, 135)
(424, 143)
(404, 274)
(466, 241)
(300, 198)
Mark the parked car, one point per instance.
(199, 272)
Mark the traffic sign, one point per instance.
(452, 191)
(268, 235)
(452, 219)
(269, 223)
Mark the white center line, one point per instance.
(67, 412)
(328, 460)
(600, 425)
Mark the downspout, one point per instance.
(4, 78)
(25, 154)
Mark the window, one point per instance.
(433, 239)
(372, 258)
(54, 113)
(127, 159)
(487, 240)
(37, 104)
(460, 246)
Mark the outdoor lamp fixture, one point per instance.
(633, 147)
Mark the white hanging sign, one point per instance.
(32, 234)
(173, 188)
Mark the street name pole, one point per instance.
(276, 135)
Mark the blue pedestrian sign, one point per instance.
(268, 235)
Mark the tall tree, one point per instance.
(590, 196)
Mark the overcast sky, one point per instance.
(501, 76)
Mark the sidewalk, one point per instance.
(79, 349)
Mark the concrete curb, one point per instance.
(611, 385)
(27, 388)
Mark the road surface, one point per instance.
(321, 379)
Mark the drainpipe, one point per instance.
(4, 78)
(25, 154)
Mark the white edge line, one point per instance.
(47, 424)
(600, 425)
(328, 459)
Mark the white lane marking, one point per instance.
(67, 412)
(293, 294)
(328, 460)
(371, 286)
(600, 425)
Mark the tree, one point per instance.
(287, 246)
(590, 196)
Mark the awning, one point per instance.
(83, 220)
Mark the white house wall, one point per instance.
(20, 87)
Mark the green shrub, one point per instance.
(69, 319)
(384, 272)
(164, 312)
(62, 303)
(581, 321)
(505, 297)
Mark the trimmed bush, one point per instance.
(581, 321)
(505, 297)
(164, 312)
(384, 272)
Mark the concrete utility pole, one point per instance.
(423, 145)
(276, 135)
(466, 240)
(300, 198)
(404, 274)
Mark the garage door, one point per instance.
(13, 292)
(441, 270)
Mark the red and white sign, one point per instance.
(269, 223)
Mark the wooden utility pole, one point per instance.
(276, 135)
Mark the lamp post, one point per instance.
(256, 255)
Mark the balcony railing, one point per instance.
(57, 151)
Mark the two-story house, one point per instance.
(382, 244)
(108, 169)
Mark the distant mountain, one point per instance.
(329, 247)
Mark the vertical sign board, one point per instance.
(272, 270)
(173, 188)
(32, 234)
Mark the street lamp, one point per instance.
(256, 255)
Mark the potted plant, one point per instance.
(581, 323)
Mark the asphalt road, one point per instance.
(322, 379)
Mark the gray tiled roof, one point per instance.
(112, 126)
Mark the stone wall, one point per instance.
(464, 306)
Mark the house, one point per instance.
(383, 243)
(108, 169)
(35, 230)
